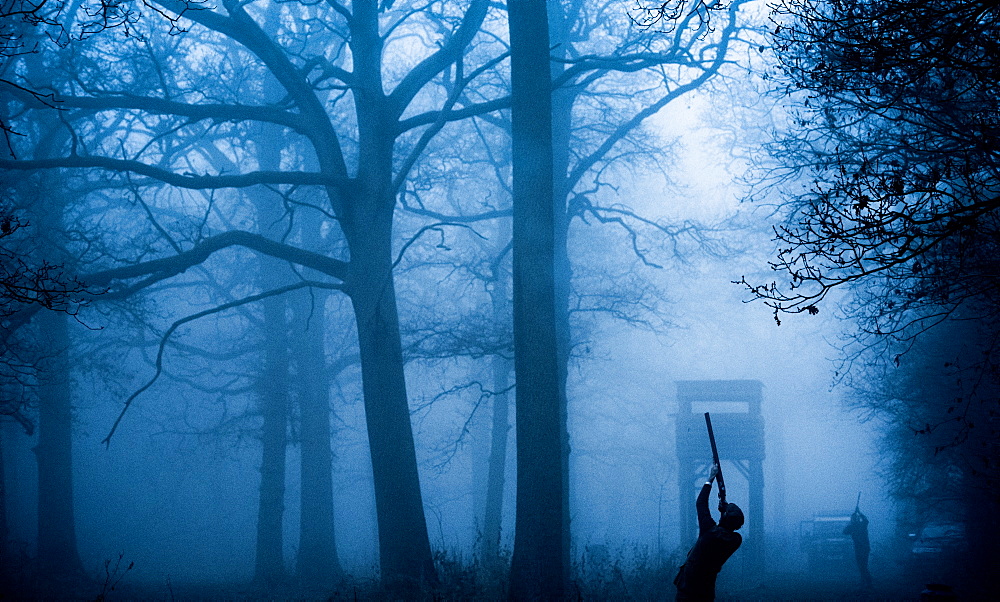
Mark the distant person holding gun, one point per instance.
(716, 542)
(858, 530)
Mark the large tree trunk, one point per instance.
(57, 551)
(404, 545)
(981, 513)
(317, 563)
(539, 568)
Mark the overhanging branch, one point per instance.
(186, 180)
(201, 314)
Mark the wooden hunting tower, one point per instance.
(739, 432)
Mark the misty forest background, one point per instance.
(310, 298)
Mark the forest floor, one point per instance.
(790, 588)
(807, 588)
(654, 585)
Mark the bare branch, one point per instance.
(178, 323)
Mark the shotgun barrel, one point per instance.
(715, 458)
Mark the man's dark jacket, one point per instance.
(696, 578)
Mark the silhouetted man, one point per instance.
(716, 543)
(858, 530)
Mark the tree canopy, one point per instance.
(895, 147)
(888, 179)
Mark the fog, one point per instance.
(183, 507)
(288, 317)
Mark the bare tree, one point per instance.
(361, 130)
(598, 138)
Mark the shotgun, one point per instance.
(715, 458)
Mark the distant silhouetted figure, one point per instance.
(716, 543)
(858, 530)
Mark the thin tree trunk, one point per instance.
(538, 568)
(317, 563)
(500, 423)
(57, 549)
(497, 468)
(4, 529)
(562, 117)
(58, 555)
(270, 565)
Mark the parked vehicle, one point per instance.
(828, 549)
(937, 542)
